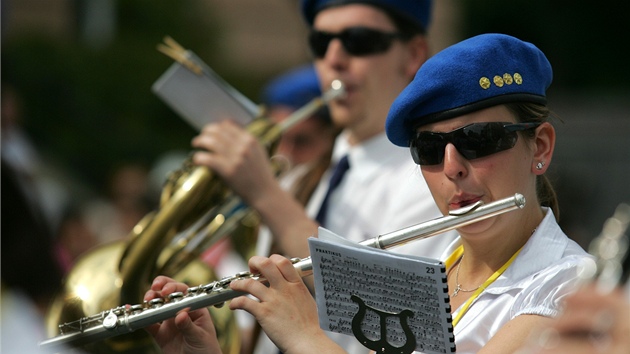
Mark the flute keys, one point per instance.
(135, 309)
(156, 303)
(194, 289)
(110, 321)
(175, 297)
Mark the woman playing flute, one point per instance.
(476, 121)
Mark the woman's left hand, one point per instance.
(189, 332)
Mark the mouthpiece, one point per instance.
(337, 90)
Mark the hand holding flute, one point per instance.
(189, 331)
(174, 299)
(286, 303)
(286, 297)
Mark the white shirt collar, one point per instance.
(546, 246)
(370, 156)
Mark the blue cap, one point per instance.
(418, 11)
(477, 73)
(293, 89)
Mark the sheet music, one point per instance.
(385, 281)
(202, 98)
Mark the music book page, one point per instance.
(387, 282)
(202, 98)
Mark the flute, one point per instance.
(126, 319)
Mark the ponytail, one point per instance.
(547, 195)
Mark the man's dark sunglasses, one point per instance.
(471, 141)
(357, 41)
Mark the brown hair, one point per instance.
(532, 112)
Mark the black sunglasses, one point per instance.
(357, 41)
(471, 141)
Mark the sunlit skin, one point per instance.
(488, 244)
(373, 81)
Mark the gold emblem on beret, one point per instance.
(507, 78)
(498, 80)
(518, 78)
(484, 82)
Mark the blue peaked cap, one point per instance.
(418, 11)
(295, 88)
(477, 73)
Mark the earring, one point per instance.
(540, 165)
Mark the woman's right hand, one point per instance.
(284, 308)
(189, 332)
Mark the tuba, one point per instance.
(196, 210)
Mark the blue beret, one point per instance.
(293, 89)
(417, 11)
(477, 73)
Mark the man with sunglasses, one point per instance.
(374, 47)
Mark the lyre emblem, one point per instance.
(382, 345)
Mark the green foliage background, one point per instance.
(91, 109)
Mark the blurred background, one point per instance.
(83, 132)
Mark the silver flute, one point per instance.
(125, 319)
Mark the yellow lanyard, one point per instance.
(457, 255)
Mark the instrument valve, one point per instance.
(208, 288)
(111, 320)
(193, 290)
(175, 297)
(156, 303)
(135, 309)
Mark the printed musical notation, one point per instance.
(387, 282)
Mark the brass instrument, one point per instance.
(193, 203)
(123, 319)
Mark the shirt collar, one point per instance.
(370, 156)
(546, 246)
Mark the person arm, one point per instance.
(239, 158)
(592, 322)
(538, 304)
(514, 334)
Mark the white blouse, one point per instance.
(543, 273)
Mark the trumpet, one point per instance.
(125, 319)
